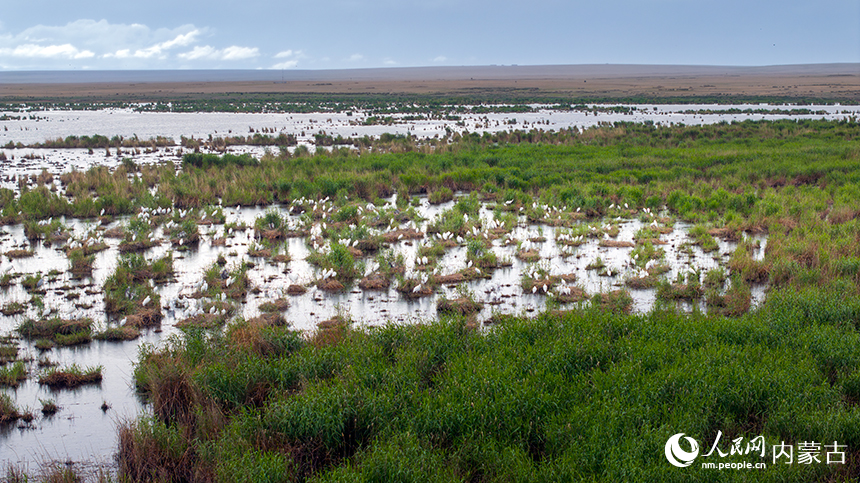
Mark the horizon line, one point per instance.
(461, 72)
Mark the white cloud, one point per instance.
(207, 52)
(40, 46)
(290, 64)
(293, 55)
(239, 53)
(64, 51)
(441, 58)
(119, 54)
(356, 58)
(389, 62)
(158, 49)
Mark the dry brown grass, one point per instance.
(529, 256)
(576, 295)
(277, 305)
(144, 319)
(402, 234)
(250, 335)
(616, 244)
(374, 281)
(19, 253)
(330, 332)
(461, 306)
(330, 285)
(69, 379)
(601, 81)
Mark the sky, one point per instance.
(344, 34)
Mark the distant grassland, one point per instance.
(589, 394)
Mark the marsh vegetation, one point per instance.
(610, 286)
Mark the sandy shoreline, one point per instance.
(821, 81)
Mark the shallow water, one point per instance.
(82, 432)
(52, 124)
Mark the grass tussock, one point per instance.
(71, 377)
(459, 306)
(62, 332)
(13, 374)
(118, 334)
(127, 291)
(8, 411)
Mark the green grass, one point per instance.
(8, 351)
(589, 394)
(12, 375)
(128, 286)
(339, 259)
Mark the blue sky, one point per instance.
(340, 34)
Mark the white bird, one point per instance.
(534, 288)
(417, 288)
(146, 300)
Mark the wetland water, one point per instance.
(39, 126)
(85, 433)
